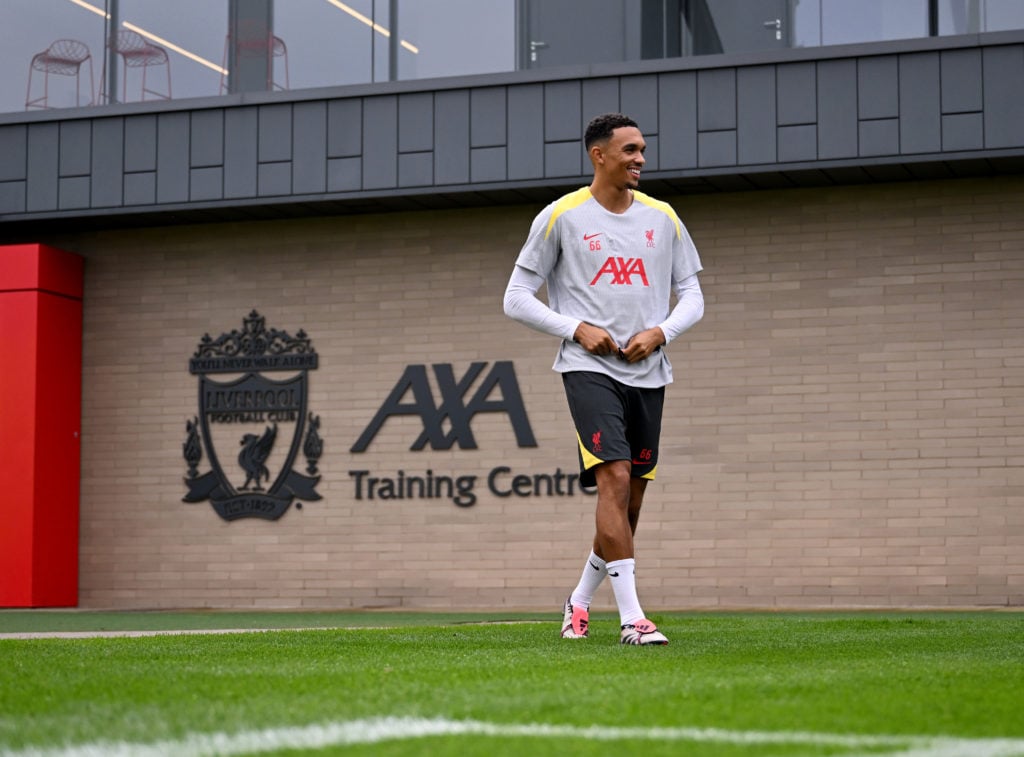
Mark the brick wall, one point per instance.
(846, 427)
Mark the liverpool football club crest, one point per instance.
(253, 422)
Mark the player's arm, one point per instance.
(522, 304)
(688, 310)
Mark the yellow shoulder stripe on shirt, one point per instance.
(568, 202)
(664, 207)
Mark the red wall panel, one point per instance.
(40, 412)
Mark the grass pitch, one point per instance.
(921, 684)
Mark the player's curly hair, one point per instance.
(600, 128)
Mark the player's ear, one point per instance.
(596, 154)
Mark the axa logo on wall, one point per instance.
(252, 426)
(448, 423)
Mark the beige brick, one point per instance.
(846, 428)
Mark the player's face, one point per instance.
(624, 157)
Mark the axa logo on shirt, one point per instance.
(621, 271)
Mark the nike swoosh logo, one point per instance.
(592, 565)
(613, 575)
(588, 237)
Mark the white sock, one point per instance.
(593, 574)
(622, 574)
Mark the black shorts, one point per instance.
(614, 422)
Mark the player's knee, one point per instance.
(614, 475)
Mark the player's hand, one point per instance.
(595, 340)
(643, 345)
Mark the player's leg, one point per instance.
(645, 410)
(598, 409)
(637, 487)
(576, 613)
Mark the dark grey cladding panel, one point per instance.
(380, 143)
(716, 148)
(677, 120)
(241, 127)
(75, 148)
(837, 109)
(416, 122)
(798, 93)
(599, 96)
(878, 87)
(451, 139)
(344, 174)
(275, 133)
(206, 139)
(639, 98)
(526, 132)
(880, 136)
(172, 133)
(345, 128)
(872, 108)
(107, 162)
(487, 117)
(275, 179)
(920, 125)
(13, 142)
(415, 169)
(73, 192)
(488, 164)
(563, 159)
(206, 183)
(309, 150)
(562, 111)
(140, 188)
(1004, 96)
(963, 131)
(12, 196)
(140, 143)
(43, 145)
(652, 155)
(961, 81)
(755, 90)
(798, 144)
(716, 99)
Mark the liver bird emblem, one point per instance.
(253, 457)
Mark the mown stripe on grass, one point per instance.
(375, 730)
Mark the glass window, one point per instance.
(33, 79)
(166, 50)
(972, 16)
(469, 37)
(162, 50)
(331, 42)
(839, 22)
(183, 48)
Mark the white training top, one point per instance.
(613, 270)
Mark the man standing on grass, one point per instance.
(611, 258)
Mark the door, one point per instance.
(735, 26)
(570, 32)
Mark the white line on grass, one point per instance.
(374, 730)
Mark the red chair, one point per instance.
(63, 58)
(137, 52)
(251, 43)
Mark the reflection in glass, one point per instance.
(182, 48)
